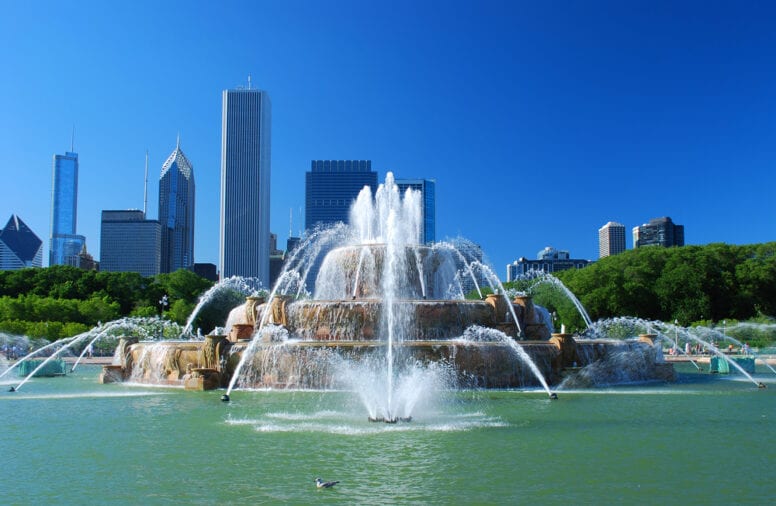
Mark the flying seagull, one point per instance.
(324, 484)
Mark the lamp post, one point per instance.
(676, 336)
(164, 303)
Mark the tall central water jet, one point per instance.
(394, 222)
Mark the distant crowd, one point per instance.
(698, 349)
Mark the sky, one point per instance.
(539, 120)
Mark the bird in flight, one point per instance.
(324, 484)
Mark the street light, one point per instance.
(676, 336)
(164, 303)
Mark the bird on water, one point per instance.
(324, 484)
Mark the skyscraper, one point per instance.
(176, 212)
(611, 239)
(427, 189)
(331, 186)
(64, 245)
(658, 232)
(245, 184)
(129, 243)
(19, 246)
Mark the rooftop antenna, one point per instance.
(72, 140)
(290, 222)
(249, 81)
(178, 141)
(145, 187)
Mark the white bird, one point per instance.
(324, 484)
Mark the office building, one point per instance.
(291, 244)
(548, 260)
(427, 189)
(130, 243)
(19, 246)
(64, 244)
(611, 239)
(331, 186)
(276, 259)
(245, 184)
(206, 270)
(176, 212)
(658, 232)
(83, 260)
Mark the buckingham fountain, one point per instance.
(388, 319)
(386, 335)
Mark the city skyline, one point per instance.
(564, 116)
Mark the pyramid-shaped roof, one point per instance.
(177, 156)
(20, 239)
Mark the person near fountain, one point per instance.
(89, 350)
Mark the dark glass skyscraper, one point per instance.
(19, 246)
(245, 184)
(331, 186)
(64, 245)
(176, 212)
(658, 232)
(427, 189)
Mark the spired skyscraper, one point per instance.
(176, 212)
(65, 245)
(245, 184)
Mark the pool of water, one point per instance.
(703, 440)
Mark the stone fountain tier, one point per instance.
(359, 320)
(314, 364)
(196, 365)
(209, 364)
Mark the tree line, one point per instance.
(62, 301)
(688, 284)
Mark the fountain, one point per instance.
(386, 317)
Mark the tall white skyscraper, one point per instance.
(245, 184)
(611, 239)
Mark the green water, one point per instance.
(703, 440)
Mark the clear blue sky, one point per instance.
(540, 120)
